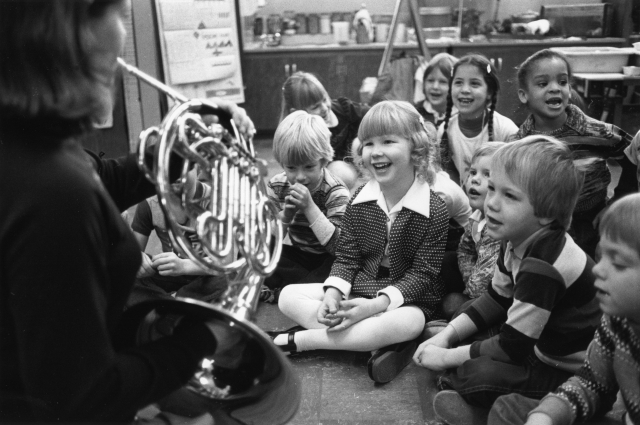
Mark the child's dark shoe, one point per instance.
(452, 409)
(290, 347)
(386, 363)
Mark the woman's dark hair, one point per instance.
(45, 70)
(490, 76)
(525, 67)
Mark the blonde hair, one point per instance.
(543, 168)
(301, 138)
(621, 222)
(486, 149)
(399, 118)
(300, 91)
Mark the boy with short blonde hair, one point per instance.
(542, 286)
(311, 200)
(613, 358)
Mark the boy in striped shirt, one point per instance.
(311, 201)
(542, 290)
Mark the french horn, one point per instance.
(248, 380)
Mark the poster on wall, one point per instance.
(200, 48)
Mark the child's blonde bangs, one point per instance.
(621, 222)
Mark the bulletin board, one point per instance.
(200, 48)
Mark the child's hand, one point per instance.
(329, 307)
(433, 357)
(289, 211)
(441, 340)
(169, 264)
(146, 269)
(355, 310)
(300, 196)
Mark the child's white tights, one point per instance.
(301, 303)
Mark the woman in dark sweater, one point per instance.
(67, 259)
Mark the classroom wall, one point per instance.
(506, 8)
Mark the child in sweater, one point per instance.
(544, 80)
(542, 286)
(311, 199)
(613, 358)
(477, 252)
(385, 282)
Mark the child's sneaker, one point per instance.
(452, 409)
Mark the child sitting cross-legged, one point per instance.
(471, 269)
(311, 199)
(613, 358)
(385, 282)
(542, 286)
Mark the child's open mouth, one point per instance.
(493, 221)
(554, 102)
(381, 166)
(465, 101)
(473, 192)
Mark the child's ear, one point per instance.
(545, 221)
(522, 95)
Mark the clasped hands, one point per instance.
(299, 198)
(340, 314)
(436, 354)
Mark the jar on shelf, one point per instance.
(301, 20)
(313, 23)
(325, 23)
(274, 24)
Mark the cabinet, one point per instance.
(507, 56)
(341, 71)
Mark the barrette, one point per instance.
(488, 68)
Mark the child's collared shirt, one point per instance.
(477, 256)
(414, 246)
(544, 289)
(331, 197)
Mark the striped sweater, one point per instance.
(331, 197)
(544, 289)
(613, 362)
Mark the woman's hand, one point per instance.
(169, 264)
(239, 115)
(329, 307)
(146, 269)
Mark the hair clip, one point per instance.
(488, 68)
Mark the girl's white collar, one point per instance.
(416, 199)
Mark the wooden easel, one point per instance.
(417, 24)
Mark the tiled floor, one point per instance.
(336, 389)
